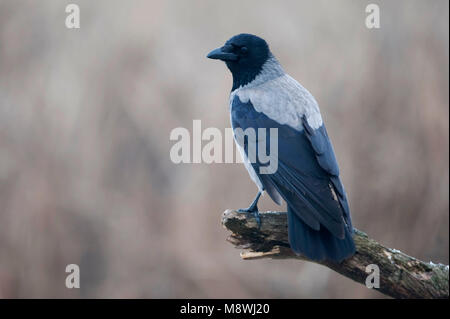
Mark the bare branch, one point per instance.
(401, 276)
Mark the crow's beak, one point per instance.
(221, 54)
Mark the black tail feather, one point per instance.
(318, 245)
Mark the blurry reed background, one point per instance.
(85, 117)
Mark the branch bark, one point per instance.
(401, 276)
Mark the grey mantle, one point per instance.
(401, 276)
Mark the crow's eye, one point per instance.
(244, 50)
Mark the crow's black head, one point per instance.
(244, 54)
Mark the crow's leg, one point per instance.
(253, 208)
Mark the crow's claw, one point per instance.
(255, 212)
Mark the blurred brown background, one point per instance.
(85, 117)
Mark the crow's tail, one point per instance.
(318, 245)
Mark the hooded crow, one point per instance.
(263, 96)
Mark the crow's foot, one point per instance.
(253, 208)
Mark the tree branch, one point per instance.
(401, 276)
